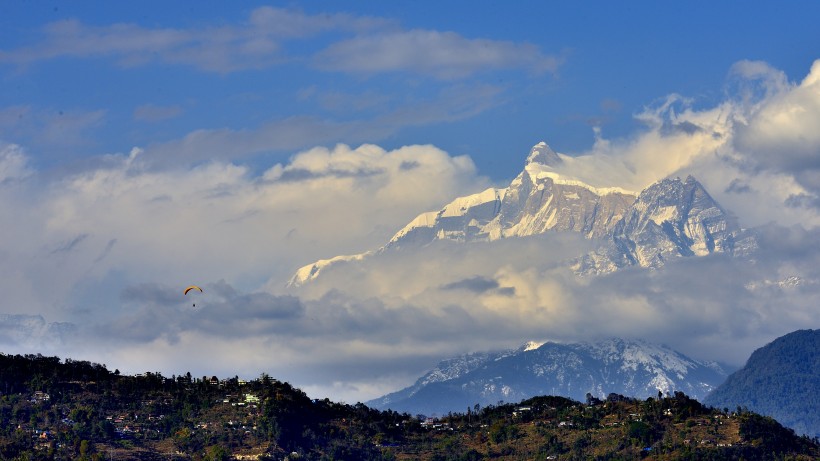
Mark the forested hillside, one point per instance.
(781, 380)
(53, 409)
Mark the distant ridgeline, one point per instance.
(781, 380)
(79, 410)
(629, 367)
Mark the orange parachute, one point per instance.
(192, 287)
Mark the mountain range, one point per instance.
(633, 368)
(671, 218)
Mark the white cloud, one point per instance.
(379, 45)
(214, 221)
(256, 43)
(675, 137)
(295, 133)
(441, 54)
(762, 137)
(13, 163)
(781, 131)
(448, 299)
(56, 129)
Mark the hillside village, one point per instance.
(79, 410)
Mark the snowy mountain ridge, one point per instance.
(627, 367)
(669, 219)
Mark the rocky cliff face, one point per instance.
(670, 219)
(538, 200)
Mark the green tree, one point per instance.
(217, 453)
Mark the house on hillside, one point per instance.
(40, 397)
(521, 411)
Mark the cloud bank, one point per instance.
(757, 152)
(93, 262)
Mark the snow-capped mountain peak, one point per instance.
(542, 154)
(632, 368)
(669, 219)
(532, 345)
(311, 271)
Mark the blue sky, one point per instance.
(148, 146)
(100, 79)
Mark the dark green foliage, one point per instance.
(765, 431)
(780, 380)
(640, 432)
(79, 410)
(501, 432)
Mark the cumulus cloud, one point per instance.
(215, 221)
(706, 307)
(756, 151)
(781, 132)
(674, 137)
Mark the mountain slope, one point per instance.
(671, 218)
(632, 368)
(537, 200)
(781, 380)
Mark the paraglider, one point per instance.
(192, 287)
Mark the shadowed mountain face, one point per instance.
(671, 218)
(781, 380)
(632, 368)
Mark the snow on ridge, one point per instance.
(641, 354)
(311, 271)
(788, 283)
(461, 204)
(542, 199)
(657, 360)
(456, 208)
(456, 367)
(426, 219)
(532, 345)
(667, 213)
(662, 383)
(625, 366)
(543, 154)
(539, 171)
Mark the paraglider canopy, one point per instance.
(192, 287)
